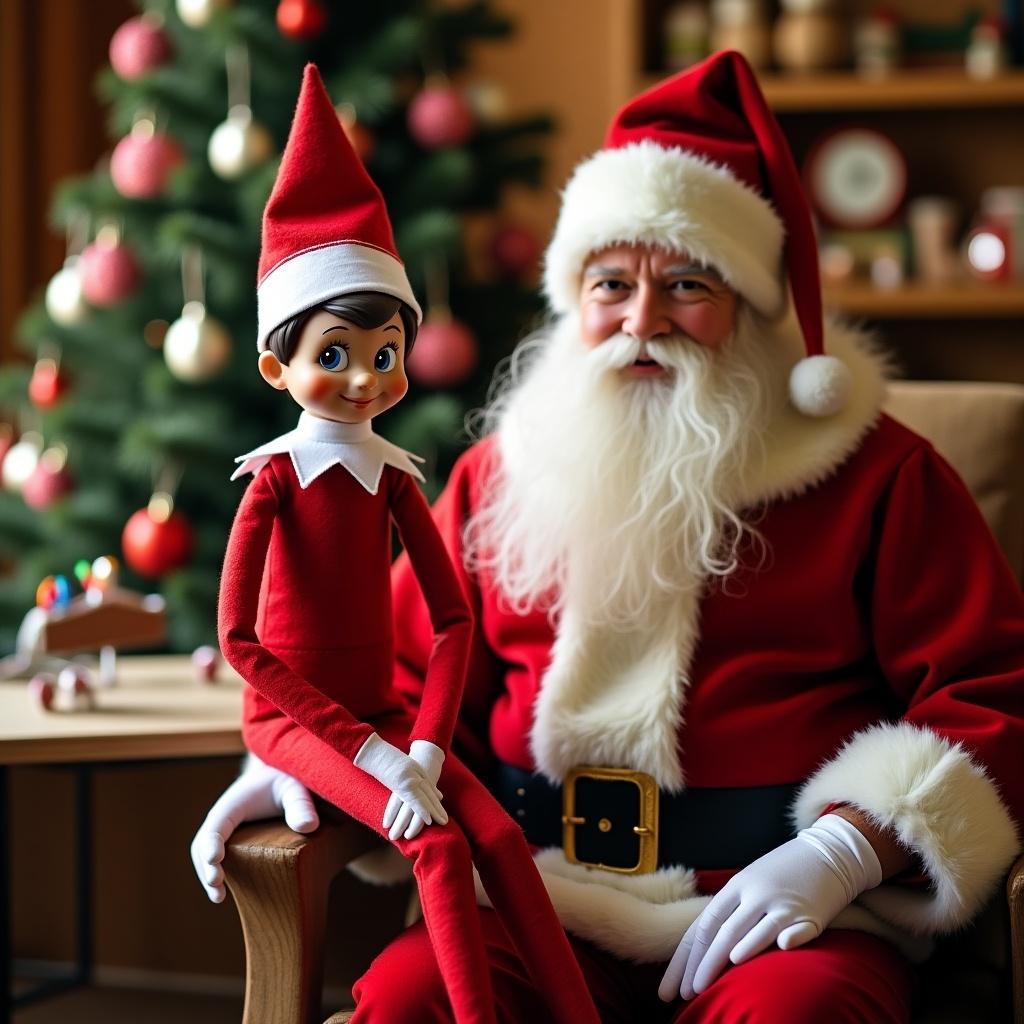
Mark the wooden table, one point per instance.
(157, 711)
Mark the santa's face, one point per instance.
(340, 371)
(651, 294)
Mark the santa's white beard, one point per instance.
(614, 492)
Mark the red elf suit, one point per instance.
(305, 603)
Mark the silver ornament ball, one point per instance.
(197, 13)
(238, 144)
(64, 300)
(20, 463)
(197, 346)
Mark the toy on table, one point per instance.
(305, 612)
(93, 613)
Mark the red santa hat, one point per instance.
(325, 227)
(699, 164)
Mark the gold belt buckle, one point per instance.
(646, 829)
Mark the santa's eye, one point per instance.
(386, 358)
(334, 358)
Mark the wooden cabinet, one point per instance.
(960, 136)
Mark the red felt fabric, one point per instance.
(885, 596)
(305, 604)
(323, 193)
(843, 977)
(305, 618)
(716, 110)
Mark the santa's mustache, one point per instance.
(621, 350)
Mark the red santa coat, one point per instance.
(877, 657)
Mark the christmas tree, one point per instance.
(141, 385)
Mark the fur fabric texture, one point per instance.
(644, 194)
(940, 803)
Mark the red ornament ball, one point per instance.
(47, 385)
(440, 116)
(515, 250)
(156, 540)
(50, 480)
(110, 273)
(142, 163)
(301, 19)
(139, 46)
(445, 354)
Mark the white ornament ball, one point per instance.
(64, 300)
(820, 385)
(20, 463)
(239, 144)
(197, 346)
(197, 13)
(74, 688)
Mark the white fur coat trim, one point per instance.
(617, 699)
(941, 804)
(645, 194)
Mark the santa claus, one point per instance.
(755, 703)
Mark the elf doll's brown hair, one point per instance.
(364, 309)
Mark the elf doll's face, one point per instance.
(342, 372)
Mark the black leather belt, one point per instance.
(619, 820)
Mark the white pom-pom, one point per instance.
(819, 385)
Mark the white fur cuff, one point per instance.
(941, 804)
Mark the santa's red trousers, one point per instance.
(479, 832)
(843, 977)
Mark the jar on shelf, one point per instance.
(810, 35)
(986, 55)
(686, 34)
(742, 25)
(877, 44)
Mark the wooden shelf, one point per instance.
(914, 88)
(921, 301)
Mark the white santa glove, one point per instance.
(405, 777)
(399, 817)
(259, 792)
(788, 896)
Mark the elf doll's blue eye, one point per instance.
(386, 359)
(334, 358)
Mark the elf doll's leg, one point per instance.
(440, 854)
(513, 883)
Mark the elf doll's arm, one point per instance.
(450, 614)
(237, 612)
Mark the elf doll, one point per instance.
(305, 604)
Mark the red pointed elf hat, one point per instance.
(325, 227)
(699, 164)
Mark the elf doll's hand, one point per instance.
(399, 817)
(259, 792)
(788, 896)
(405, 777)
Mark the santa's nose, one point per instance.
(644, 316)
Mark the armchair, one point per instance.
(280, 880)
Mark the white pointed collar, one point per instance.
(317, 444)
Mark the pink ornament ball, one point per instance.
(42, 688)
(139, 46)
(205, 662)
(440, 116)
(109, 273)
(46, 486)
(445, 354)
(515, 250)
(141, 164)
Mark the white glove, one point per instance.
(259, 792)
(404, 776)
(399, 817)
(788, 896)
